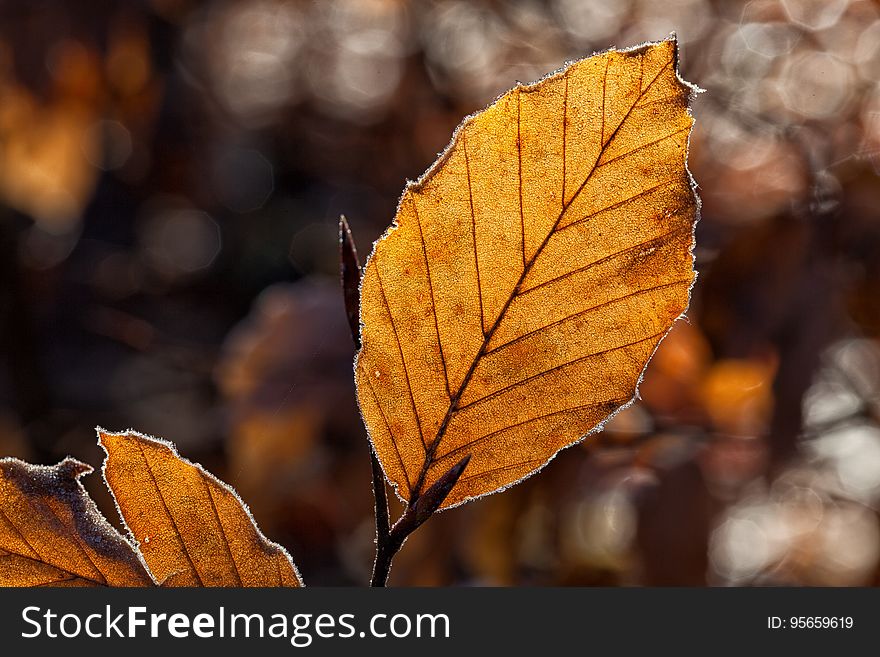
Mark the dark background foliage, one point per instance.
(171, 174)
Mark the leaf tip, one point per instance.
(672, 40)
(68, 469)
(459, 467)
(73, 468)
(103, 436)
(108, 440)
(344, 228)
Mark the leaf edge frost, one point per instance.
(691, 90)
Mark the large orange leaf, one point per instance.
(192, 529)
(530, 274)
(51, 533)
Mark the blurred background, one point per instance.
(171, 175)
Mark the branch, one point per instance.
(422, 508)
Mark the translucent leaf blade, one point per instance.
(530, 274)
(52, 534)
(192, 529)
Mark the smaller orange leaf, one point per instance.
(52, 534)
(192, 529)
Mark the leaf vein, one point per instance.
(586, 311)
(501, 468)
(467, 167)
(522, 219)
(643, 146)
(78, 541)
(556, 368)
(220, 524)
(70, 575)
(390, 433)
(412, 399)
(543, 416)
(564, 136)
(21, 535)
(177, 531)
(433, 299)
(620, 204)
(601, 261)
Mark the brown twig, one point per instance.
(350, 271)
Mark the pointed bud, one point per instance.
(431, 499)
(350, 271)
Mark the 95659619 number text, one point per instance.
(810, 622)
